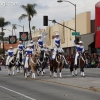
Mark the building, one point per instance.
(83, 25)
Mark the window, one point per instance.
(98, 28)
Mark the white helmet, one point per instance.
(39, 35)
(31, 41)
(10, 47)
(80, 42)
(57, 34)
(29, 45)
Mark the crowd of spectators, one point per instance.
(92, 61)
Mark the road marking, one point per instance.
(17, 93)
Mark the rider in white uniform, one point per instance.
(32, 44)
(20, 46)
(40, 42)
(79, 49)
(29, 52)
(57, 47)
(10, 54)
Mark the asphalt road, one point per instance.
(46, 88)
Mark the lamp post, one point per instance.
(75, 10)
(3, 39)
(22, 27)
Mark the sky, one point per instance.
(54, 10)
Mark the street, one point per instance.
(49, 88)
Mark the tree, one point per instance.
(30, 12)
(14, 27)
(33, 28)
(3, 23)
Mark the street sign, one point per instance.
(76, 33)
(12, 39)
(23, 36)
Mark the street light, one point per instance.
(3, 39)
(20, 26)
(75, 9)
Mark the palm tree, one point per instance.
(3, 23)
(14, 27)
(30, 12)
(33, 28)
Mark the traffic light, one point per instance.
(45, 20)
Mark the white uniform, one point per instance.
(20, 46)
(40, 43)
(10, 54)
(79, 49)
(29, 52)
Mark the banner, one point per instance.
(23, 36)
(12, 39)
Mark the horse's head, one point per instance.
(59, 57)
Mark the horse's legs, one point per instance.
(51, 67)
(82, 72)
(72, 69)
(60, 69)
(33, 71)
(55, 72)
(25, 72)
(13, 68)
(9, 72)
(76, 70)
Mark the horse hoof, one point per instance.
(76, 75)
(73, 75)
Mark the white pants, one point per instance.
(7, 60)
(56, 49)
(39, 48)
(26, 62)
(76, 56)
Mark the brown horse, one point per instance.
(81, 64)
(33, 65)
(56, 64)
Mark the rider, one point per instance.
(57, 47)
(32, 44)
(79, 49)
(40, 42)
(10, 54)
(20, 46)
(29, 52)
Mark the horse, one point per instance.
(19, 61)
(81, 64)
(12, 62)
(56, 64)
(33, 64)
(41, 62)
